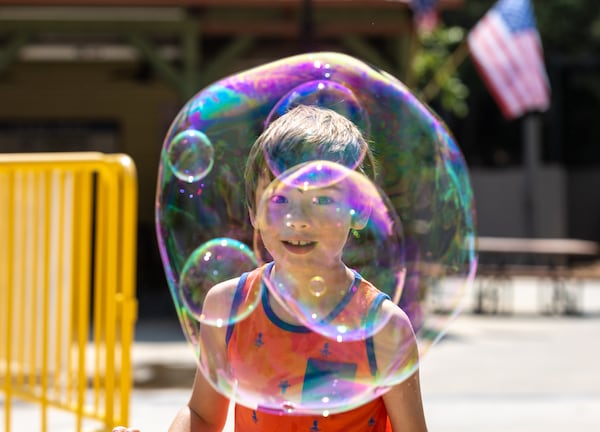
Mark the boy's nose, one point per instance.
(297, 219)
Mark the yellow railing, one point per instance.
(67, 290)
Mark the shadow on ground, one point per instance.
(156, 375)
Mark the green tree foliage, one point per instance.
(570, 35)
(569, 26)
(434, 68)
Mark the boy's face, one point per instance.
(305, 226)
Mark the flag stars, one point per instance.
(517, 14)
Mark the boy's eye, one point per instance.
(322, 200)
(278, 199)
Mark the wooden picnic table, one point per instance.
(501, 259)
(542, 246)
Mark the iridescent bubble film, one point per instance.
(212, 262)
(422, 178)
(318, 221)
(325, 94)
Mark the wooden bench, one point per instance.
(503, 258)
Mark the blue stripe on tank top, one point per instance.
(235, 304)
(347, 297)
(271, 314)
(239, 295)
(381, 297)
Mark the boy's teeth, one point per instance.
(299, 243)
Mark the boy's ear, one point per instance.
(252, 217)
(360, 218)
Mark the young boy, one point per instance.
(305, 240)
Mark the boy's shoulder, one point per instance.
(220, 297)
(223, 288)
(243, 290)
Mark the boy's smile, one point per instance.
(299, 247)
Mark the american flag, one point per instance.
(507, 51)
(425, 14)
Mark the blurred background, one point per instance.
(109, 76)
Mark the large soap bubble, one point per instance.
(423, 179)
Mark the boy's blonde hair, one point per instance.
(303, 134)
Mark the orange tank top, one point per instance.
(295, 363)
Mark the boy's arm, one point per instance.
(397, 350)
(405, 407)
(207, 409)
(205, 412)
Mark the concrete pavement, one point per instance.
(517, 373)
(523, 371)
(520, 372)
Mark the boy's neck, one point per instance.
(337, 276)
(333, 286)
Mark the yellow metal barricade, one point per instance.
(67, 290)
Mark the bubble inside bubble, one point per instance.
(305, 219)
(191, 155)
(324, 94)
(216, 261)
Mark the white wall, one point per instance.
(500, 200)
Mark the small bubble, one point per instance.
(190, 155)
(317, 286)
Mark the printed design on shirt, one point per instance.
(283, 385)
(371, 422)
(327, 379)
(325, 350)
(254, 416)
(258, 342)
(315, 426)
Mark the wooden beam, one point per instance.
(367, 52)
(162, 67)
(214, 69)
(343, 4)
